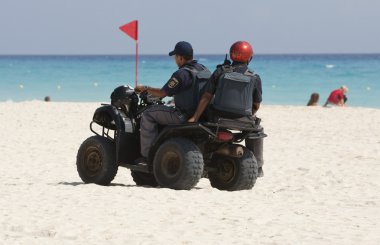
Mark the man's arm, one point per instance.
(205, 100)
(257, 95)
(341, 102)
(255, 108)
(156, 92)
(153, 91)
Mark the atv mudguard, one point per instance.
(194, 131)
(109, 117)
(127, 141)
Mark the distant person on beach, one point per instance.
(183, 86)
(47, 99)
(314, 99)
(229, 103)
(337, 97)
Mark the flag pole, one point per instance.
(137, 62)
(137, 51)
(131, 29)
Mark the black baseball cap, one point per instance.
(182, 48)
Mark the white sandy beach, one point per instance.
(321, 185)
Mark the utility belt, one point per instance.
(182, 113)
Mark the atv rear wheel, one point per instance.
(178, 164)
(142, 179)
(234, 174)
(96, 161)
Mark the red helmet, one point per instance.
(241, 51)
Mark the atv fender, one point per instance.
(127, 142)
(190, 130)
(109, 117)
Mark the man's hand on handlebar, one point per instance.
(141, 89)
(155, 92)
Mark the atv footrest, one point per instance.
(257, 135)
(141, 167)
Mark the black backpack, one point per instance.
(200, 78)
(187, 101)
(234, 92)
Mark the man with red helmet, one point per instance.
(236, 92)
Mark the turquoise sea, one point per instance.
(287, 79)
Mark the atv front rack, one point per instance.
(105, 132)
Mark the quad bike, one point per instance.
(179, 158)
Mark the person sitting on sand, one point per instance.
(337, 97)
(314, 98)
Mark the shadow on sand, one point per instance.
(81, 183)
(112, 184)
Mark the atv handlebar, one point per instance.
(149, 99)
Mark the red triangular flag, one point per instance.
(131, 29)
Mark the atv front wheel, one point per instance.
(96, 161)
(142, 179)
(178, 164)
(233, 173)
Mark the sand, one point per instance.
(321, 185)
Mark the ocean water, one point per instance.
(287, 79)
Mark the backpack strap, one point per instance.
(249, 73)
(190, 69)
(203, 73)
(227, 68)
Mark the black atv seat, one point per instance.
(234, 125)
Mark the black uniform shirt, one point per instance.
(241, 68)
(179, 81)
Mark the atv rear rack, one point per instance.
(232, 124)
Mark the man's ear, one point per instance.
(182, 60)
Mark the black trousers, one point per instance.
(257, 147)
(151, 118)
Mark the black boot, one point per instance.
(256, 146)
(260, 172)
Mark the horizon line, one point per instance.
(211, 54)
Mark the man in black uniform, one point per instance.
(237, 94)
(183, 86)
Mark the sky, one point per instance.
(211, 26)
